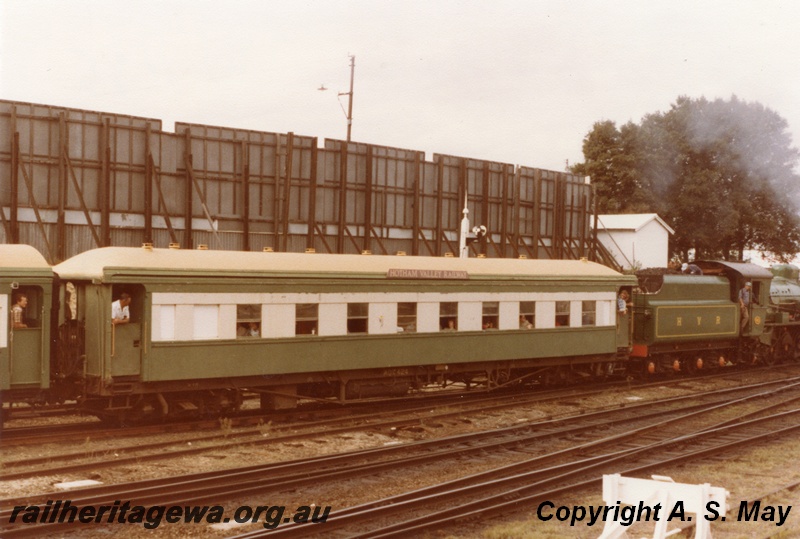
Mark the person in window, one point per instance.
(622, 303)
(451, 325)
(524, 323)
(691, 269)
(254, 329)
(120, 314)
(18, 311)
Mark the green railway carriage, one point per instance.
(24, 346)
(207, 325)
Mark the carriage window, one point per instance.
(562, 313)
(306, 318)
(448, 316)
(26, 307)
(407, 317)
(527, 314)
(137, 295)
(357, 317)
(490, 315)
(588, 313)
(248, 320)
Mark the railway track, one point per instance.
(71, 463)
(637, 431)
(526, 484)
(489, 498)
(96, 430)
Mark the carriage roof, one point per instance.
(22, 258)
(102, 264)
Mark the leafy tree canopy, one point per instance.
(721, 173)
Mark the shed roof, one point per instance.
(100, 264)
(630, 221)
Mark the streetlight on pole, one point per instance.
(349, 113)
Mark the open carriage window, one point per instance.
(527, 314)
(26, 307)
(448, 316)
(357, 317)
(248, 320)
(306, 318)
(562, 313)
(136, 295)
(588, 313)
(407, 317)
(490, 315)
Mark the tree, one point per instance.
(721, 173)
(611, 156)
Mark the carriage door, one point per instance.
(25, 340)
(127, 340)
(624, 326)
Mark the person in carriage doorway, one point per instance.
(18, 311)
(745, 297)
(120, 314)
(622, 303)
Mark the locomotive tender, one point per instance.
(208, 326)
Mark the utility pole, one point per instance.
(349, 114)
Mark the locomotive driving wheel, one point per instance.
(782, 349)
(796, 356)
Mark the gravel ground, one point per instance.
(751, 473)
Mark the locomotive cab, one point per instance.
(739, 273)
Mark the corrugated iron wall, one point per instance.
(74, 179)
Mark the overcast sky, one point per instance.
(520, 82)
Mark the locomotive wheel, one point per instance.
(782, 349)
(652, 368)
(796, 356)
(691, 364)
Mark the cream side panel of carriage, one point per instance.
(205, 320)
(545, 314)
(184, 322)
(226, 324)
(5, 320)
(333, 319)
(470, 315)
(278, 320)
(606, 313)
(427, 317)
(509, 315)
(382, 318)
(575, 313)
(174, 316)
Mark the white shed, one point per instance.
(636, 240)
